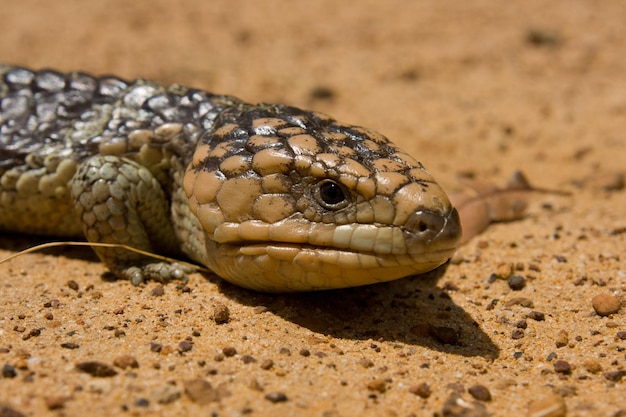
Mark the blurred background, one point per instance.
(481, 87)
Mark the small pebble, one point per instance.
(480, 392)
(9, 371)
(202, 392)
(142, 402)
(254, 384)
(621, 335)
(593, 366)
(517, 334)
(248, 359)
(550, 406)
(267, 364)
(565, 390)
(456, 406)
(516, 282)
(221, 314)
(421, 390)
(562, 339)
(57, 402)
(614, 376)
(156, 347)
(52, 304)
(366, 363)
(126, 361)
(444, 335)
(321, 92)
(504, 270)
(32, 333)
(73, 285)
(276, 397)
(157, 291)
(542, 38)
(166, 394)
(522, 301)
(229, 351)
(185, 346)
(183, 288)
(379, 385)
(562, 367)
(305, 352)
(96, 369)
(167, 349)
(605, 304)
(70, 345)
(536, 315)
(199, 391)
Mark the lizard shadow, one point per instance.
(412, 310)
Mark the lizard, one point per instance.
(267, 196)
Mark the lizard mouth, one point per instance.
(313, 261)
(285, 267)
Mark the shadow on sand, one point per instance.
(412, 310)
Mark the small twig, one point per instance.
(103, 245)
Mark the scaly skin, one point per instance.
(269, 197)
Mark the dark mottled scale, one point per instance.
(46, 111)
(19, 78)
(49, 81)
(109, 89)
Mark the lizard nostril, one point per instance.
(425, 223)
(421, 226)
(428, 227)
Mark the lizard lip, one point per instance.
(426, 234)
(347, 258)
(439, 246)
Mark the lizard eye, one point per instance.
(330, 195)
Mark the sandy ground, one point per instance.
(481, 87)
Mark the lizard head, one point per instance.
(291, 200)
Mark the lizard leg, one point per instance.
(120, 201)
